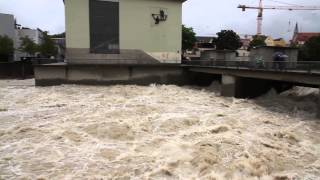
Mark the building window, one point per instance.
(104, 26)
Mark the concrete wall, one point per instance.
(56, 74)
(267, 54)
(140, 38)
(17, 69)
(218, 55)
(229, 86)
(7, 25)
(139, 31)
(77, 24)
(33, 34)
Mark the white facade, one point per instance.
(33, 34)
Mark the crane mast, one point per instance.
(261, 8)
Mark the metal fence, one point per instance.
(305, 66)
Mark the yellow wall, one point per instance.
(280, 43)
(137, 27)
(77, 24)
(269, 41)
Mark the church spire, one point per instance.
(296, 30)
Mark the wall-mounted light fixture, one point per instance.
(160, 17)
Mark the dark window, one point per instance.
(104, 26)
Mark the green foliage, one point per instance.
(228, 40)
(258, 40)
(28, 46)
(47, 47)
(188, 38)
(6, 48)
(311, 49)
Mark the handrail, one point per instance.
(305, 66)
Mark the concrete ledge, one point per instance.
(51, 74)
(140, 74)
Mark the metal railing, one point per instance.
(304, 66)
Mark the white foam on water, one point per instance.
(155, 132)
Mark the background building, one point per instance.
(34, 34)
(300, 38)
(61, 47)
(280, 42)
(123, 31)
(7, 25)
(15, 32)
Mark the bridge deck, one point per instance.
(304, 73)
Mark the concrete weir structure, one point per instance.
(119, 41)
(110, 74)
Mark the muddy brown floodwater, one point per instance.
(155, 132)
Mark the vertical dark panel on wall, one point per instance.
(104, 26)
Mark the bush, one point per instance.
(311, 49)
(47, 47)
(6, 48)
(188, 38)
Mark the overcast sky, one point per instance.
(206, 16)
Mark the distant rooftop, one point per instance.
(204, 39)
(305, 36)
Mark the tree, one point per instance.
(258, 40)
(311, 49)
(188, 38)
(47, 47)
(228, 40)
(28, 46)
(6, 48)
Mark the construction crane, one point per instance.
(261, 8)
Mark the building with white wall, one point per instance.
(34, 34)
(8, 28)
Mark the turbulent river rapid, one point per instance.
(156, 132)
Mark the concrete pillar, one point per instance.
(240, 87)
(228, 86)
(318, 113)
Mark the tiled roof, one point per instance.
(305, 36)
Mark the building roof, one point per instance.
(204, 39)
(279, 39)
(303, 37)
(275, 47)
(245, 42)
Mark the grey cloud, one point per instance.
(207, 17)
